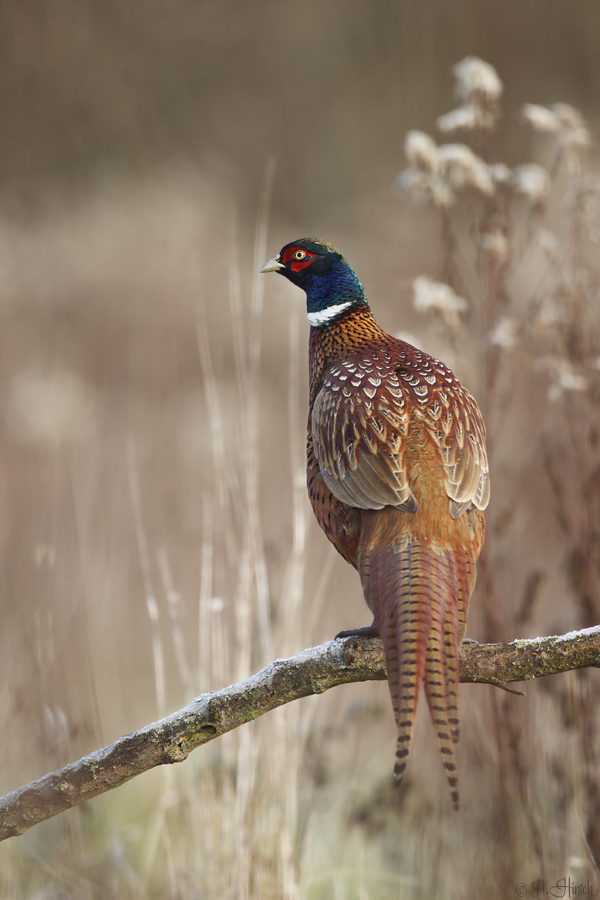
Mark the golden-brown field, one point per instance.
(156, 537)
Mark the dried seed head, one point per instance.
(500, 173)
(476, 81)
(562, 376)
(441, 195)
(577, 139)
(532, 181)
(466, 117)
(568, 124)
(570, 145)
(463, 168)
(505, 333)
(540, 117)
(439, 298)
(421, 151)
(569, 118)
(423, 187)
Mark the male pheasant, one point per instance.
(397, 477)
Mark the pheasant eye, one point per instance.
(299, 254)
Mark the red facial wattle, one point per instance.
(298, 258)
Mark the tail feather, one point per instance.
(418, 597)
(412, 623)
(451, 641)
(454, 631)
(441, 677)
(394, 581)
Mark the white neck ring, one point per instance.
(327, 315)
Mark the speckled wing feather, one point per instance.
(359, 424)
(361, 419)
(454, 425)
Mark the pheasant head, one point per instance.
(330, 282)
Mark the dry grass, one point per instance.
(157, 542)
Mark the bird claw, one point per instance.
(366, 631)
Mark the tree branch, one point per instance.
(313, 671)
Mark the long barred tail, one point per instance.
(414, 594)
(441, 674)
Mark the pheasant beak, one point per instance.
(272, 265)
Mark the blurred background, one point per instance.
(156, 537)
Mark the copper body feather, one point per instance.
(398, 478)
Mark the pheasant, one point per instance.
(398, 480)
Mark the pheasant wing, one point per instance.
(454, 424)
(458, 433)
(359, 425)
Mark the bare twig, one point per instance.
(313, 671)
